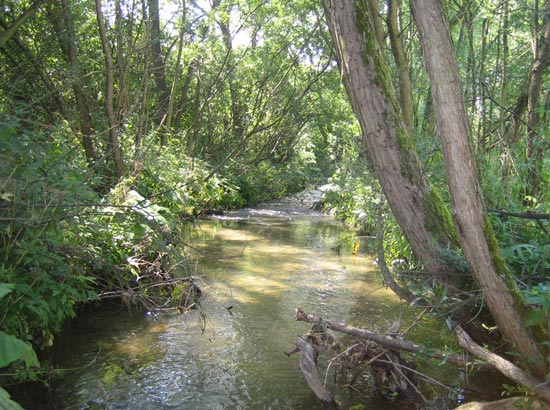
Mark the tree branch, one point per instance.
(508, 369)
(384, 340)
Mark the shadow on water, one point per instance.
(256, 267)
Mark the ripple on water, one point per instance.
(265, 263)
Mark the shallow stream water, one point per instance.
(255, 266)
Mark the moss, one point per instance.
(373, 51)
(439, 221)
(498, 261)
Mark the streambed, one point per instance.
(255, 267)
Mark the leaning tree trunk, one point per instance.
(416, 206)
(468, 210)
(534, 150)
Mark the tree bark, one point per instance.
(113, 144)
(468, 210)
(417, 207)
(64, 26)
(405, 89)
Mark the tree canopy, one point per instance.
(121, 118)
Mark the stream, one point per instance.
(255, 266)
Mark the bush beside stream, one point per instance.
(68, 242)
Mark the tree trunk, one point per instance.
(158, 63)
(172, 96)
(63, 23)
(534, 149)
(416, 206)
(468, 210)
(405, 90)
(237, 125)
(113, 144)
(144, 108)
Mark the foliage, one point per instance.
(64, 245)
(187, 186)
(539, 297)
(6, 402)
(252, 108)
(39, 173)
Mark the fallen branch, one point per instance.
(384, 340)
(308, 366)
(524, 215)
(392, 375)
(512, 403)
(508, 369)
(511, 371)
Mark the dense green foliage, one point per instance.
(219, 105)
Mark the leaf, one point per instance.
(139, 229)
(12, 349)
(30, 358)
(535, 317)
(6, 196)
(5, 288)
(6, 403)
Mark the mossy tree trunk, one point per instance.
(468, 210)
(423, 217)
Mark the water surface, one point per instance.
(255, 266)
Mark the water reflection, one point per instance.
(263, 263)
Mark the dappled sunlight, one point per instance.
(258, 284)
(253, 275)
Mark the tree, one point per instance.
(28, 13)
(535, 149)
(158, 63)
(113, 146)
(63, 22)
(414, 203)
(472, 224)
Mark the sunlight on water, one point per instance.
(255, 267)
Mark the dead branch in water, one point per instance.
(308, 367)
(492, 360)
(384, 340)
(393, 376)
(508, 369)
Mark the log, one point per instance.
(308, 367)
(384, 340)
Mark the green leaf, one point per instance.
(6, 403)
(12, 349)
(535, 317)
(5, 288)
(139, 229)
